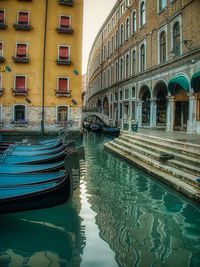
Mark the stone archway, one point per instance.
(160, 95)
(99, 105)
(145, 96)
(105, 106)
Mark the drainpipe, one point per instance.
(43, 75)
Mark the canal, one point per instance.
(119, 216)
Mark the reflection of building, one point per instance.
(144, 64)
(40, 63)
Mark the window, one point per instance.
(2, 17)
(120, 95)
(1, 49)
(133, 92)
(142, 14)
(111, 75)
(162, 4)
(134, 62)
(0, 113)
(63, 84)
(126, 94)
(127, 3)
(116, 72)
(121, 34)
(63, 52)
(122, 9)
(162, 47)
(20, 84)
(112, 44)
(108, 49)
(62, 113)
(108, 77)
(127, 34)
(176, 38)
(65, 22)
(121, 68)
(116, 39)
(134, 22)
(23, 18)
(1, 90)
(21, 50)
(19, 113)
(142, 57)
(127, 66)
(104, 53)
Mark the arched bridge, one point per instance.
(99, 115)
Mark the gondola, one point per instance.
(35, 196)
(95, 127)
(112, 131)
(9, 158)
(31, 168)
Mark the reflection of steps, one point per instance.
(181, 172)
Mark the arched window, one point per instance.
(121, 34)
(142, 57)
(134, 22)
(116, 39)
(133, 62)
(162, 47)
(127, 66)
(121, 68)
(142, 14)
(127, 29)
(176, 38)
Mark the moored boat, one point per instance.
(111, 131)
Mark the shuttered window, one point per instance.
(1, 49)
(65, 22)
(23, 18)
(63, 84)
(21, 50)
(20, 83)
(1, 16)
(64, 52)
(0, 82)
(62, 113)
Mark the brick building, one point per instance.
(40, 63)
(144, 65)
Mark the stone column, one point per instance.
(170, 114)
(153, 113)
(139, 113)
(191, 123)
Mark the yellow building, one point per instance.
(40, 63)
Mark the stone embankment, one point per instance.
(174, 162)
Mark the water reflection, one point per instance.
(48, 237)
(145, 223)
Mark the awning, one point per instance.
(195, 80)
(180, 80)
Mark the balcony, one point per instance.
(66, 62)
(60, 93)
(22, 27)
(1, 91)
(3, 26)
(65, 2)
(20, 92)
(20, 59)
(19, 123)
(64, 30)
(2, 59)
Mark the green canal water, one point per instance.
(119, 216)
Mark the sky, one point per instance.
(95, 13)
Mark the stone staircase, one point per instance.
(143, 151)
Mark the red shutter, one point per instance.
(64, 52)
(20, 83)
(23, 17)
(1, 49)
(21, 49)
(1, 15)
(64, 22)
(63, 84)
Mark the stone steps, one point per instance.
(188, 164)
(181, 172)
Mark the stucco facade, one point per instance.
(144, 65)
(40, 63)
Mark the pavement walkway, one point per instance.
(176, 135)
